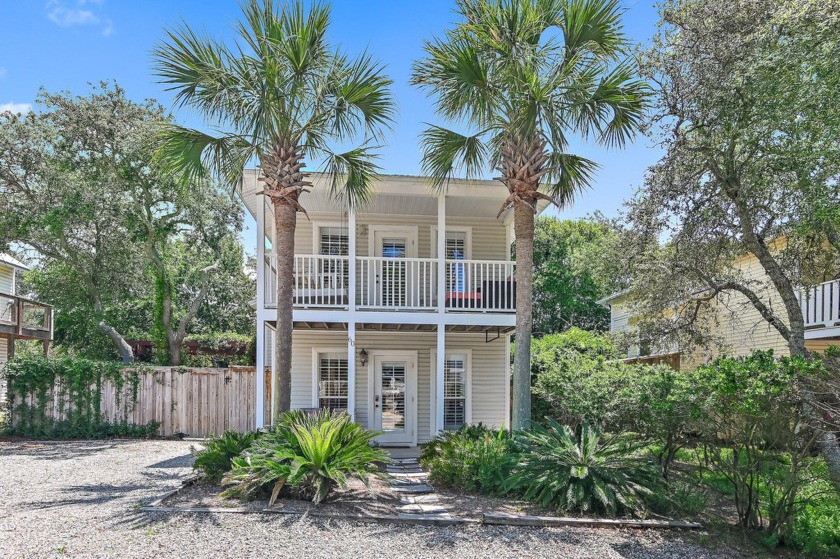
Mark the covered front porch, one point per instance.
(408, 381)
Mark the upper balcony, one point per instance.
(24, 319)
(397, 284)
(409, 251)
(821, 310)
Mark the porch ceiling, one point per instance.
(379, 327)
(400, 195)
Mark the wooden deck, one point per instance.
(24, 319)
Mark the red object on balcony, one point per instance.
(463, 300)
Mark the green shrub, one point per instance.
(215, 460)
(311, 453)
(473, 459)
(222, 346)
(587, 472)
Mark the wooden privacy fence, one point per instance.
(194, 401)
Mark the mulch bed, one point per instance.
(380, 499)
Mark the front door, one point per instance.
(395, 397)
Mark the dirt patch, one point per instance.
(379, 499)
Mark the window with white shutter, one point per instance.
(332, 381)
(454, 392)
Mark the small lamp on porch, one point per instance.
(363, 356)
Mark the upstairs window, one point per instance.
(335, 241)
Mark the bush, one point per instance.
(578, 378)
(227, 347)
(310, 453)
(215, 460)
(585, 472)
(473, 459)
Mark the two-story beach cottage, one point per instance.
(403, 309)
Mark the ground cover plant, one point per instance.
(310, 454)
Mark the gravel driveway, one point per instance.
(80, 499)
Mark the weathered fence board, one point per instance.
(194, 401)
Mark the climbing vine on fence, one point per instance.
(41, 389)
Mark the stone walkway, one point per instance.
(418, 498)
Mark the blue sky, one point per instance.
(66, 44)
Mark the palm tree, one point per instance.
(523, 74)
(281, 95)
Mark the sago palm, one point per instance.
(283, 96)
(586, 472)
(524, 75)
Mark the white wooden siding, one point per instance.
(489, 236)
(7, 279)
(488, 371)
(739, 326)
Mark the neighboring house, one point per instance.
(402, 310)
(738, 324)
(20, 319)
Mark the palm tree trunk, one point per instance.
(523, 223)
(285, 222)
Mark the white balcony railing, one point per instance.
(484, 285)
(821, 304)
(397, 283)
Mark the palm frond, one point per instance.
(446, 151)
(593, 26)
(459, 76)
(352, 174)
(570, 175)
(195, 67)
(359, 97)
(193, 155)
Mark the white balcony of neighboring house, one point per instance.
(821, 310)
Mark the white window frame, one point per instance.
(454, 229)
(316, 234)
(449, 354)
(316, 372)
(407, 231)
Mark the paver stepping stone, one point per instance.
(415, 499)
(408, 475)
(413, 488)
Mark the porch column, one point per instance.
(351, 368)
(351, 261)
(260, 404)
(440, 363)
(441, 255)
(441, 326)
(260, 407)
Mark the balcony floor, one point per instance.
(384, 327)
